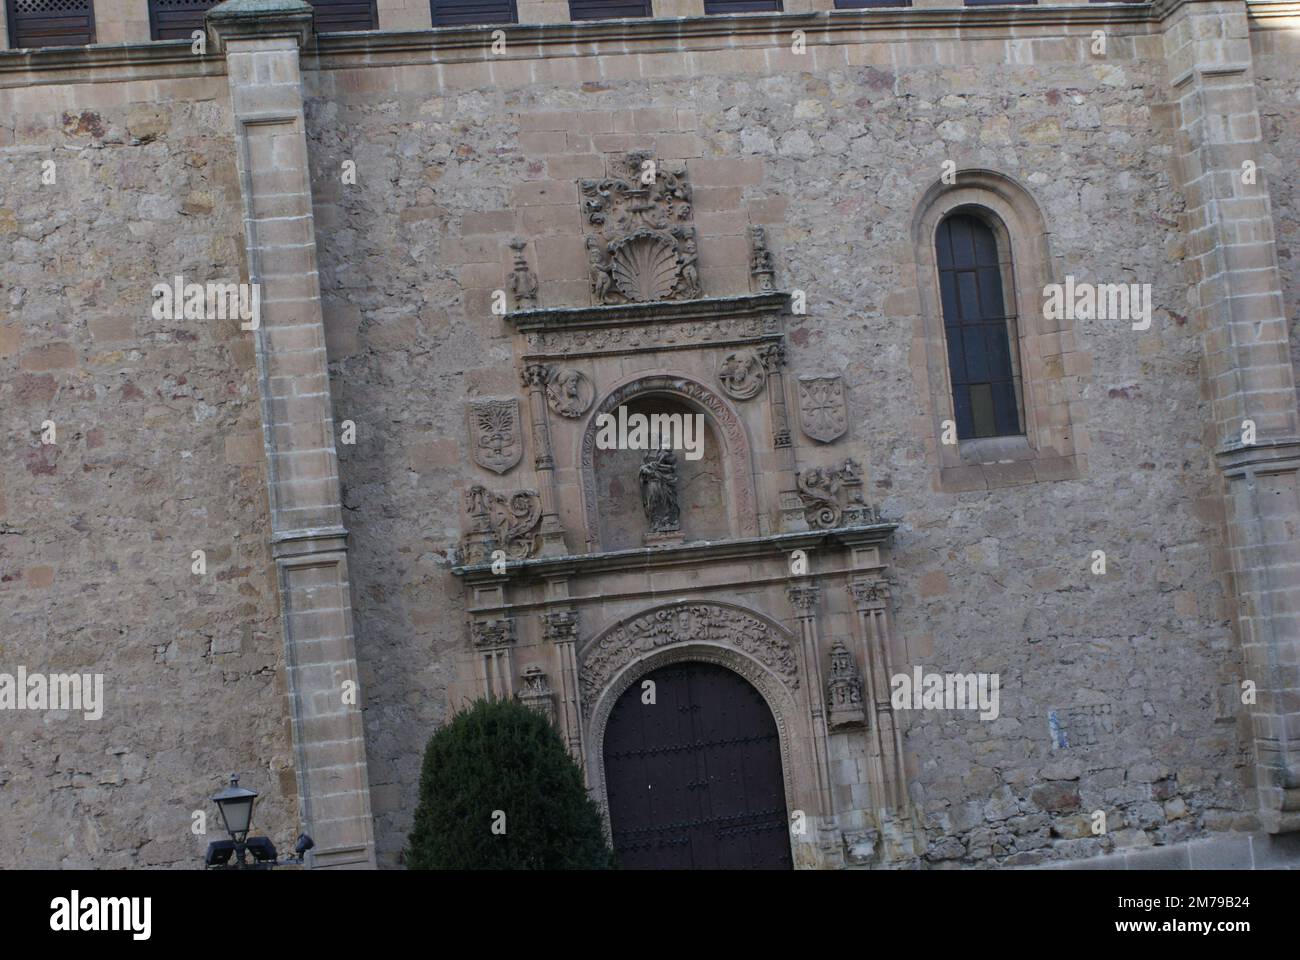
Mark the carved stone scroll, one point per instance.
(498, 521)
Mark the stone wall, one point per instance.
(158, 453)
(831, 153)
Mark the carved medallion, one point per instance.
(568, 392)
(823, 410)
(496, 440)
(742, 374)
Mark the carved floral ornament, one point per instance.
(685, 623)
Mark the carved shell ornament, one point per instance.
(644, 266)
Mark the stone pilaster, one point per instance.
(261, 39)
(562, 630)
(534, 378)
(803, 599)
(494, 639)
(1237, 301)
(885, 744)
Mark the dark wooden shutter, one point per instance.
(50, 23)
(741, 6)
(336, 16)
(975, 325)
(177, 19)
(608, 9)
(863, 4)
(447, 13)
(998, 3)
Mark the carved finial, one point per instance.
(523, 282)
(760, 260)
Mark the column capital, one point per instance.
(259, 20)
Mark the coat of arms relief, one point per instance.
(643, 245)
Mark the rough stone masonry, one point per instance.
(325, 463)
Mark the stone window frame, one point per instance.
(1053, 442)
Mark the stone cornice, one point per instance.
(677, 555)
(550, 319)
(173, 58)
(580, 38)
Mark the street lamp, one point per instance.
(236, 806)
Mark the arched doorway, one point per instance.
(694, 777)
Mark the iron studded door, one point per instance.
(694, 779)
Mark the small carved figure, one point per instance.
(659, 491)
(690, 271)
(601, 282)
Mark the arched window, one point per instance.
(979, 326)
(1003, 382)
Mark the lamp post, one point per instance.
(236, 806)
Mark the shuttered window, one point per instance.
(447, 13)
(335, 16)
(741, 6)
(177, 19)
(608, 9)
(985, 387)
(50, 23)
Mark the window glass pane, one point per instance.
(943, 244)
(986, 246)
(981, 401)
(963, 248)
(970, 301)
(991, 292)
(961, 411)
(948, 294)
(1004, 402)
(977, 363)
(999, 354)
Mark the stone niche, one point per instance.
(701, 484)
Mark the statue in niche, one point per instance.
(601, 282)
(659, 491)
(690, 270)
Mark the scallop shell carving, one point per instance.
(644, 267)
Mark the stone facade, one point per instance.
(387, 190)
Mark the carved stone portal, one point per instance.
(823, 411)
(498, 521)
(644, 247)
(496, 440)
(708, 623)
(742, 374)
(569, 392)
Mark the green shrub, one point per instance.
(503, 756)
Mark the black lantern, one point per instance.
(236, 806)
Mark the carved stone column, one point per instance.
(803, 598)
(885, 743)
(494, 640)
(561, 629)
(534, 379)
